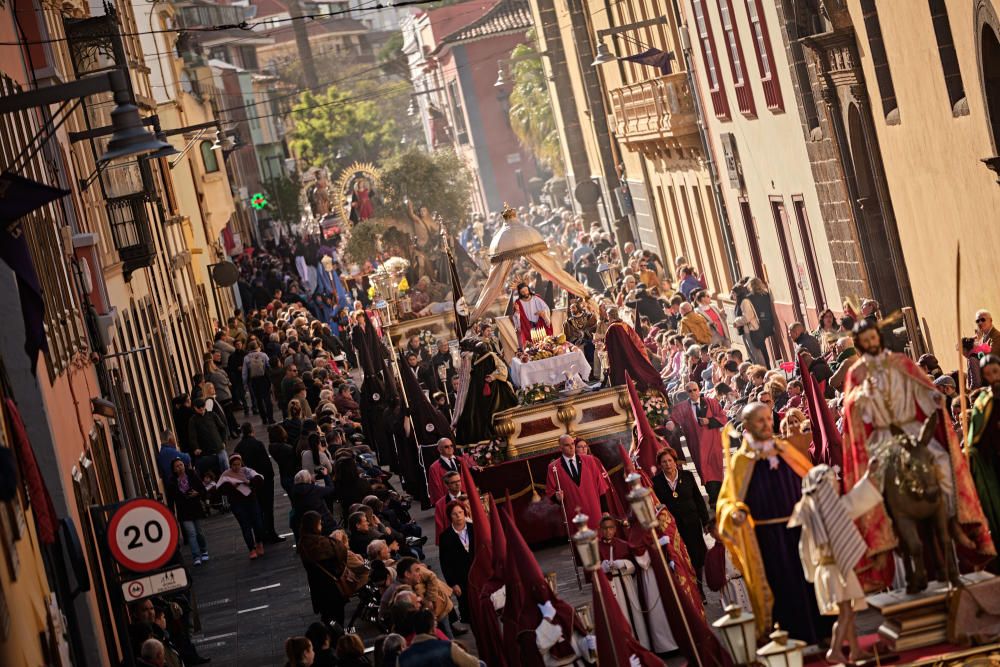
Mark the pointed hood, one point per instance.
(428, 421)
(499, 542)
(528, 585)
(647, 443)
(827, 447)
(616, 645)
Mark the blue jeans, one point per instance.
(195, 538)
(247, 514)
(223, 460)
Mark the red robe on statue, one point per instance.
(584, 496)
(626, 351)
(524, 325)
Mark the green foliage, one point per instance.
(391, 58)
(531, 116)
(362, 244)
(285, 201)
(342, 120)
(439, 181)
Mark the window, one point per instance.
(788, 256)
(209, 157)
(458, 113)
(719, 102)
(880, 61)
(744, 94)
(765, 56)
(805, 233)
(949, 59)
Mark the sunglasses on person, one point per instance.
(980, 320)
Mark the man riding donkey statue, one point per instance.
(895, 416)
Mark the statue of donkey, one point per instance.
(913, 497)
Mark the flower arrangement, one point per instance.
(489, 452)
(428, 340)
(656, 407)
(536, 393)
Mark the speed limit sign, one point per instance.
(142, 535)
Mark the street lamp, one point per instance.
(641, 500)
(781, 651)
(737, 629)
(609, 274)
(603, 56)
(500, 82)
(585, 540)
(128, 137)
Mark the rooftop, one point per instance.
(505, 17)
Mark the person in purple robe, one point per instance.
(764, 483)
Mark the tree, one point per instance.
(362, 242)
(440, 181)
(285, 194)
(350, 123)
(531, 116)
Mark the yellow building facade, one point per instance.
(627, 125)
(932, 71)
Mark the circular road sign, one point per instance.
(142, 535)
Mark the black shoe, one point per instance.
(416, 541)
(277, 539)
(458, 629)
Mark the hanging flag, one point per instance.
(20, 196)
(654, 58)
(458, 298)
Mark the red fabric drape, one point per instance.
(41, 501)
(615, 642)
(827, 446)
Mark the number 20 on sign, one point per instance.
(142, 535)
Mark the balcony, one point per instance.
(655, 115)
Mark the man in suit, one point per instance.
(457, 549)
(447, 462)
(454, 491)
(576, 482)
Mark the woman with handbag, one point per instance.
(325, 561)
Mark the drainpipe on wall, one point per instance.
(706, 146)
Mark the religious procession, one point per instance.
(499, 333)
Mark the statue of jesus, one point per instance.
(886, 392)
(530, 312)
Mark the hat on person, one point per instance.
(945, 381)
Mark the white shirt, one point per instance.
(463, 536)
(570, 463)
(533, 308)
(449, 463)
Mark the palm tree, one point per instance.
(531, 116)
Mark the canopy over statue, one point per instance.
(511, 243)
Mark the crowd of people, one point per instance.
(292, 358)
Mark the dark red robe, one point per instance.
(583, 497)
(626, 352)
(704, 442)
